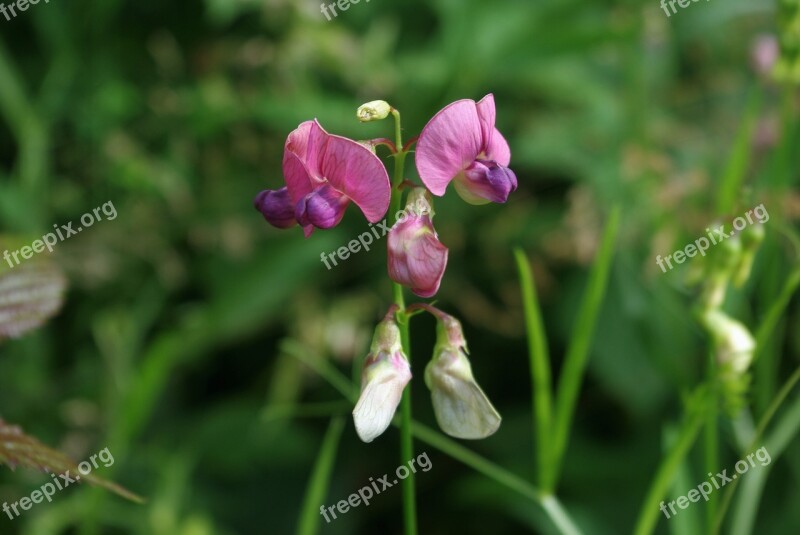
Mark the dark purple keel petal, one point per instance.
(322, 208)
(484, 181)
(276, 207)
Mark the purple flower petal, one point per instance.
(323, 208)
(485, 181)
(277, 207)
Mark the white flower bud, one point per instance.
(373, 111)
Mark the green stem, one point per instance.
(406, 438)
(577, 356)
(711, 441)
(650, 512)
(759, 432)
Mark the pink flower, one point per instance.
(416, 257)
(462, 143)
(323, 173)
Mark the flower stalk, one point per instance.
(406, 439)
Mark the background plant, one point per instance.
(177, 344)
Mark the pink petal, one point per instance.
(416, 257)
(498, 149)
(355, 171)
(295, 174)
(450, 141)
(486, 116)
(495, 146)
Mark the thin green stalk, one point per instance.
(541, 378)
(310, 515)
(648, 516)
(762, 426)
(578, 352)
(739, 161)
(406, 439)
(549, 503)
(746, 511)
(711, 440)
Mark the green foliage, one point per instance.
(210, 351)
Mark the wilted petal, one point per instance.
(484, 181)
(450, 141)
(277, 207)
(386, 373)
(461, 407)
(385, 377)
(323, 208)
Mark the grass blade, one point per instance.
(541, 378)
(578, 352)
(648, 516)
(319, 483)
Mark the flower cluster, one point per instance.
(324, 172)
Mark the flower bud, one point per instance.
(386, 373)
(734, 348)
(416, 257)
(462, 409)
(373, 111)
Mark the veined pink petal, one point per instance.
(356, 172)
(498, 150)
(494, 146)
(295, 174)
(450, 141)
(486, 116)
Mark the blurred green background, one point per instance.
(168, 347)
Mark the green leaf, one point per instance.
(539, 358)
(319, 483)
(578, 352)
